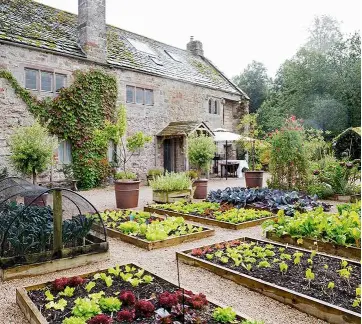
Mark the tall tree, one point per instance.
(323, 34)
(255, 82)
(321, 83)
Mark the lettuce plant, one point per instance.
(110, 304)
(85, 308)
(224, 315)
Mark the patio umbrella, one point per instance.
(223, 135)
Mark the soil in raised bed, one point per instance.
(149, 292)
(324, 268)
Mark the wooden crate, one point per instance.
(318, 308)
(172, 196)
(348, 252)
(208, 221)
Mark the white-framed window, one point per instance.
(44, 81)
(139, 96)
(64, 152)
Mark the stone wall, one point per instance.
(173, 100)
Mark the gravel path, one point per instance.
(162, 262)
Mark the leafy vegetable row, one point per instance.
(343, 228)
(225, 213)
(265, 198)
(146, 226)
(327, 275)
(31, 230)
(114, 296)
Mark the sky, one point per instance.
(233, 32)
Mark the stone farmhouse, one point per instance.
(168, 92)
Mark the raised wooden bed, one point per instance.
(348, 252)
(144, 244)
(172, 196)
(318, 308)
(34, 316)
(208, 221)
(40, 263)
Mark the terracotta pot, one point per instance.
(201, 188)
(40, 201)
(127, 193)
(254, 179)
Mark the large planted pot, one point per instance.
(254, 179)
(127, 193)
(164, 197)
(200, 186)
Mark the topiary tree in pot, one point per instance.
(201, 150)
(32, 150)
(127, 183)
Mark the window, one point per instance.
(214, 107)
(44, 81)
(60, 81)
(65, 152)
(112, 152)
(31, 79)
(173, 56)
(142, 47)
(130, 94)
(139, 96)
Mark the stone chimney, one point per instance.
(92, 36)
(195, 47)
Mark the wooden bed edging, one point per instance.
(208, 221)
(148, 245)
(318, 308)
(35, 269)
(348, 252)
(34, 316)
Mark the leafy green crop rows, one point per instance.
(343, 228)
(32, 231)
(144, 225)
(216, 211)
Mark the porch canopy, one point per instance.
(223, 135)
(174, 141)
(184, 128)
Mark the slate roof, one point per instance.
(31, 23)
(181, 128)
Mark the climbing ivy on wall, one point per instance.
(84, 113)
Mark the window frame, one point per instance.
(144, 90)
(39, 81)
(65, 158)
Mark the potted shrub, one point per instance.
(253, 177)
(171, 187)
(201, 150)
(152, 174)
(32, 153)
(127, 184)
